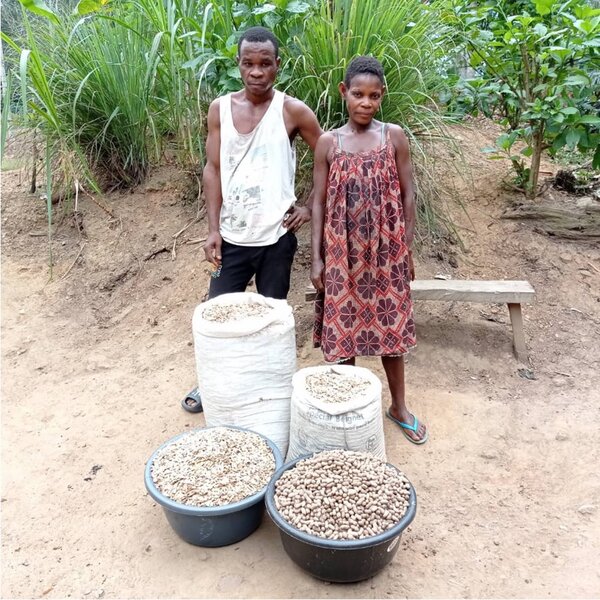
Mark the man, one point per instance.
(249, 178)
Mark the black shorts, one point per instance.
(271, 265)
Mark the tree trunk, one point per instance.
(534, 171)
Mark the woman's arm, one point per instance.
(405, 175)
(320, 175)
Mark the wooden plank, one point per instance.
(505, 292)
(473, 291)
(519, 345)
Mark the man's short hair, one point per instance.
(364, 65)
(259, 34)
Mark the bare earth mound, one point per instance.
(96, 361)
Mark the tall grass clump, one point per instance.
(111, 90)
(409, 40)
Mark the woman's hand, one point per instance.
(411, 266)
(316, 274)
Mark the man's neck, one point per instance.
(258, 99)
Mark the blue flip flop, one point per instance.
(192, 402)
(414, 427)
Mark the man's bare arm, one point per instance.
(301, 120)
(211, 182)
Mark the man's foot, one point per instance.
(413, 430)
(192, 402)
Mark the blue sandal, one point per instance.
(192, 402)
(414, 427)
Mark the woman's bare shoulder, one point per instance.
(398, 136)
(326, 140)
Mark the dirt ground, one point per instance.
(95, 362)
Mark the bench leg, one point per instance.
(516, 318)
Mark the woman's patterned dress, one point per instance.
(366, 309)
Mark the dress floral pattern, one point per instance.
(366, 309)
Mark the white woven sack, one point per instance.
(245, 367)
(356, 424)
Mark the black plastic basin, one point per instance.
(338, 561)
(212, 526)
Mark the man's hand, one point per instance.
(411, 266)
(316, 274)
(212, 248)
(295, 217)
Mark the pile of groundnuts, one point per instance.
(342, 495)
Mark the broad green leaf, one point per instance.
(296, 6)
(577, 80)
(272, 19)
(540, 30)
(584, 141)
(585, 26)
(39, 7)
(506, 140)
(234, 73)
(569, 110)
(589, 120)
(240, 10)
(527, 151)
(193, 63)
(583, 12)
(596, 159)
(559, 142)
(543, 7)
(573, 136)
(476, 60)
(231, 42)
(85, 7)
(264, 9)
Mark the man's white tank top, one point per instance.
(257, 177)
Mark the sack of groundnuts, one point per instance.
(245, 348)
(336, 407)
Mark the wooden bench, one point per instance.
(512, 293)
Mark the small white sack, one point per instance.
(355, 424)
(245, 367)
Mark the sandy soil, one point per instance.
(95, 362)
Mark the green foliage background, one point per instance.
(110, 84)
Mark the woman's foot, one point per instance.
(411, 427)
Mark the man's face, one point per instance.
(258, 66)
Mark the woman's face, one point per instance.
(363, 97)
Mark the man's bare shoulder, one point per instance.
(214, 105)
(296, 108)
